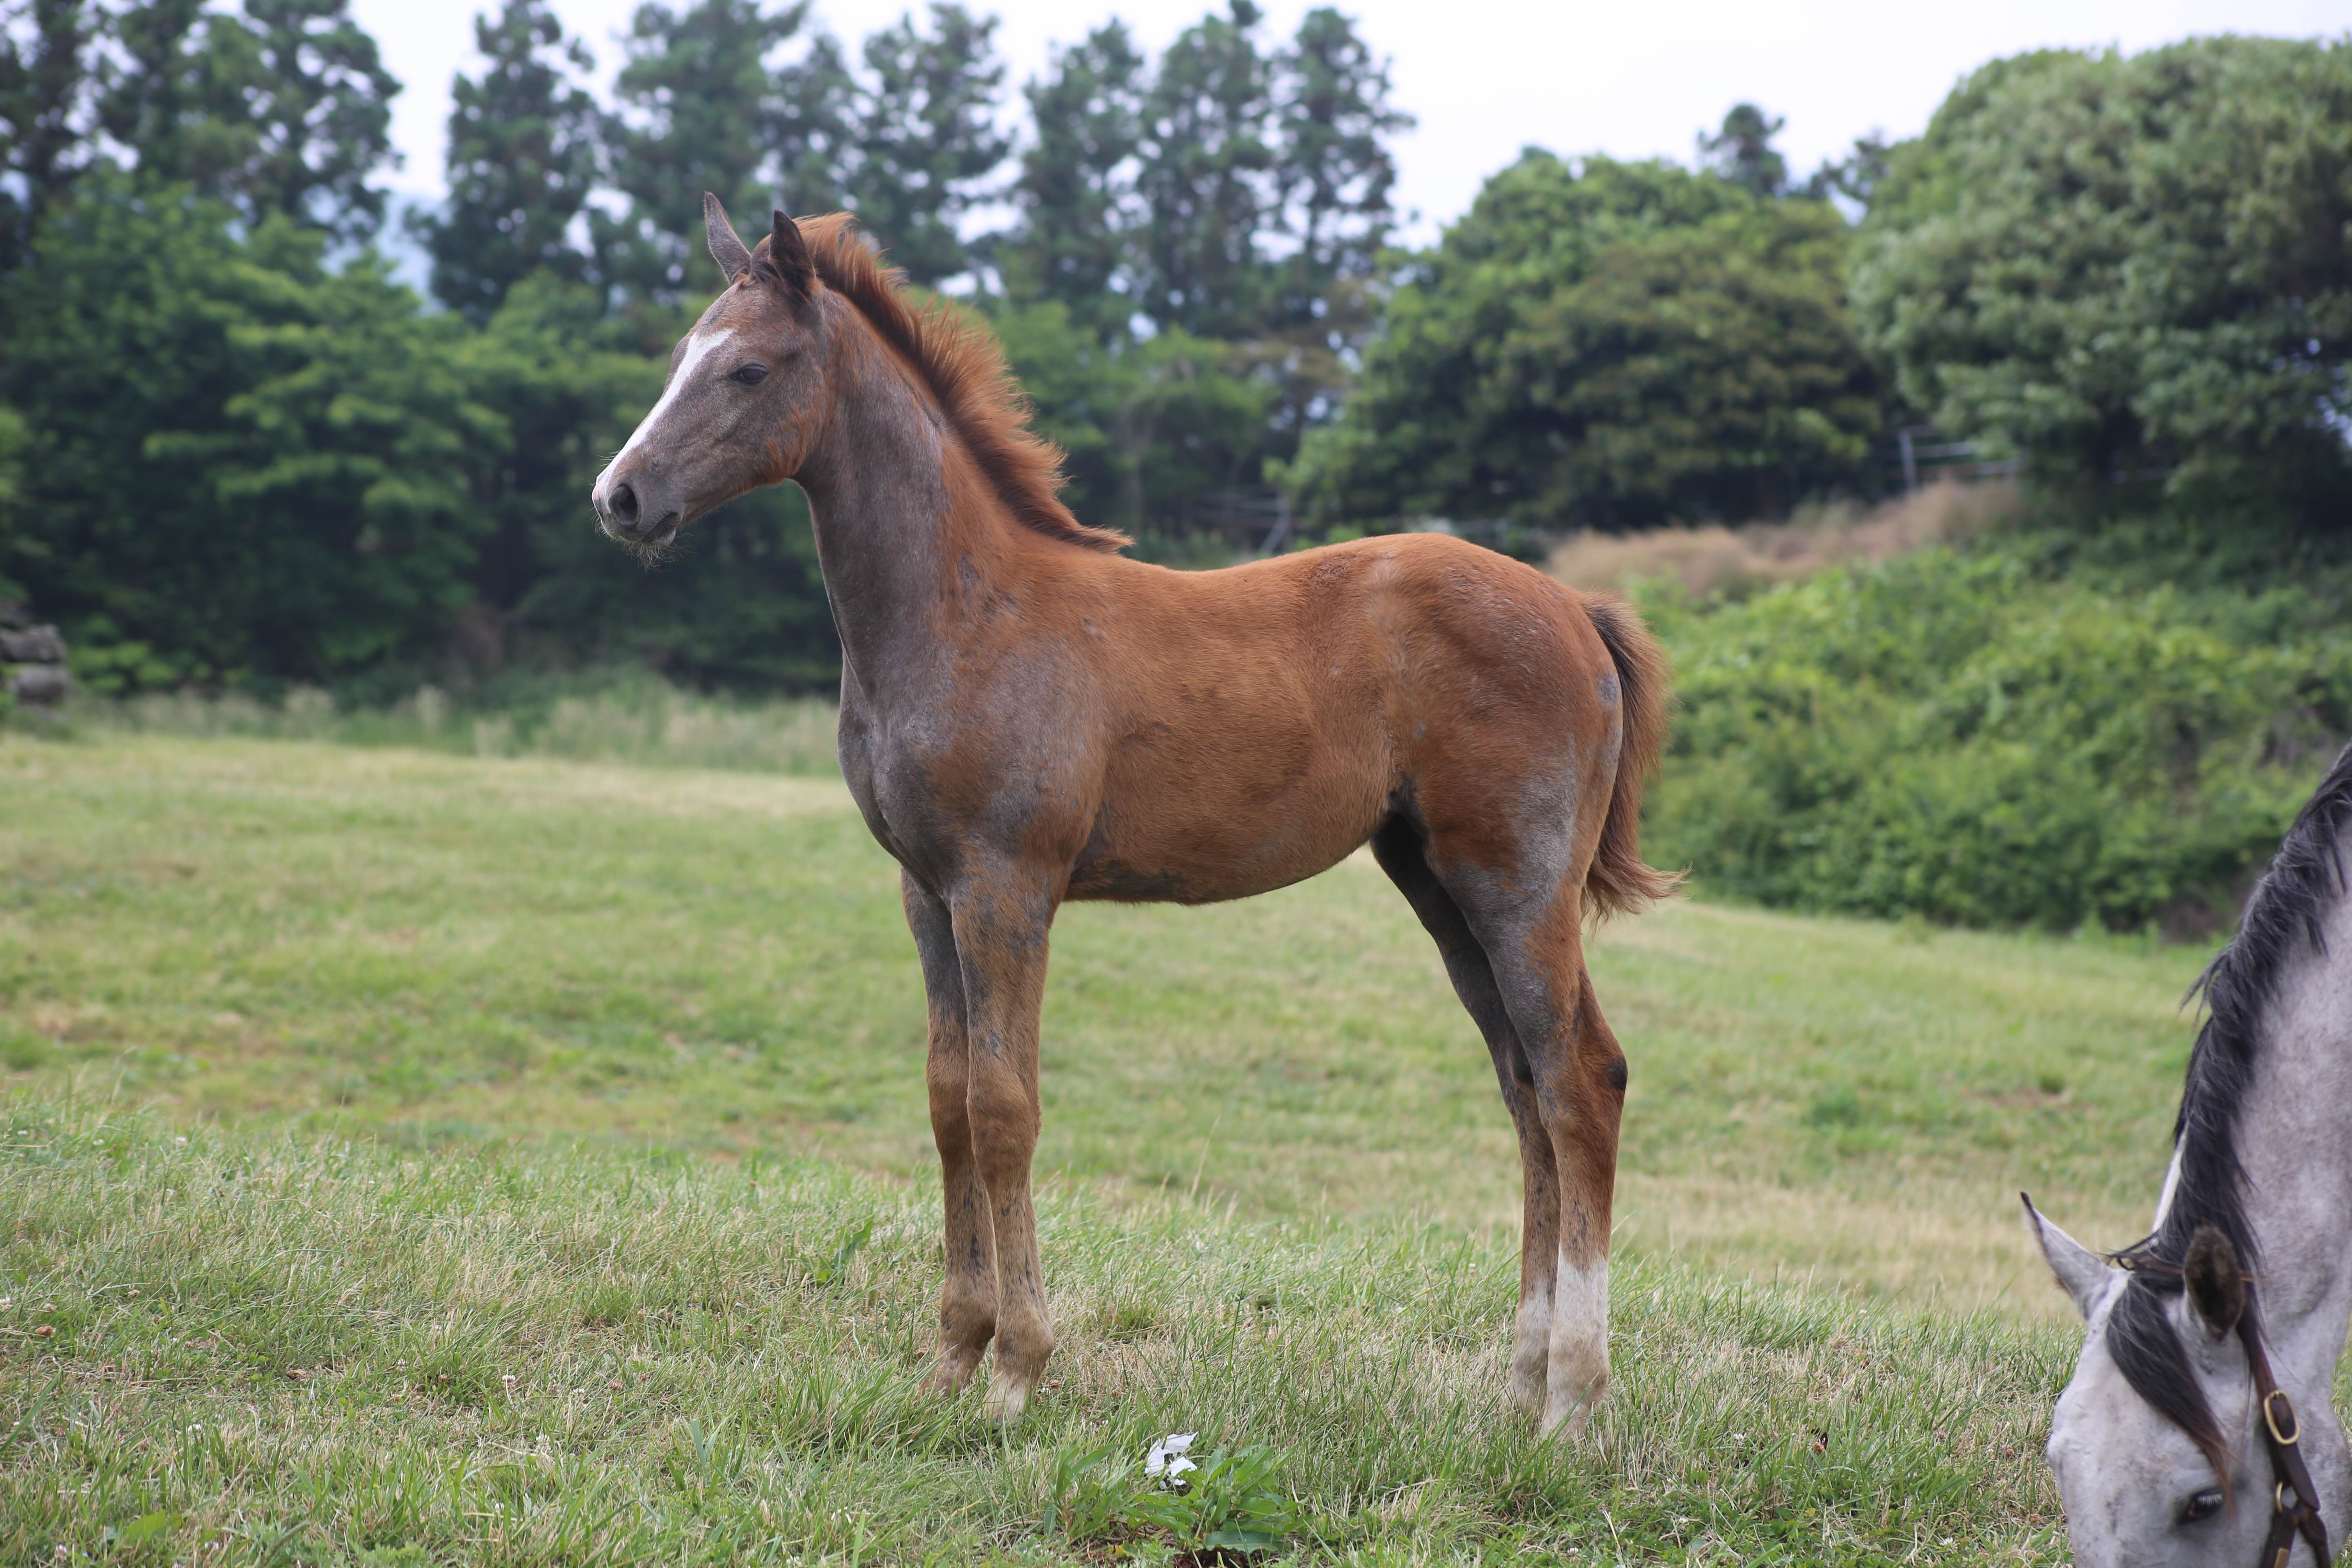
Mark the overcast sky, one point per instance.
(1487, 80)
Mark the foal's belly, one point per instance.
(1201, 834)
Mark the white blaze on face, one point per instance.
(697, 349)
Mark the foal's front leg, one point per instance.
(1000, 923)
(968, 1297)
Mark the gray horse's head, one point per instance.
(2190, 1483)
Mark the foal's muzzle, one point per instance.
(637, 507)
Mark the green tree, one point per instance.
(1074, 192)
(926, 138)
(1606, 345)
(246, 463)
(1147, 422)
(1207, 181)
(283, 107)
(522, 160)
(2131, 266)
(702, 109)
(1222, 194)
(45, 83)
(1335, 170)
(1232, 201)
(1742, 152)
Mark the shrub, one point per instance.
(1943, 735)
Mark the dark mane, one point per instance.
(2289, 909)
(958, 358)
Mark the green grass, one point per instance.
(591, 1073)
(267, 1348)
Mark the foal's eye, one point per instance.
(2204, 1505)
(751, 374)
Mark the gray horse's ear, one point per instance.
(2082, 1272)
(2216, 1284)
(787, 263)
(726, 248)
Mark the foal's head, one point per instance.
(745, 394)
(2154, 1444)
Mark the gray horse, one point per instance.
(2197, 1427)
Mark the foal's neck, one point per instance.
(897, 536)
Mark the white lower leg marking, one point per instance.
(1531, 1347)
(1580, 1340)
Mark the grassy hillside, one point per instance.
(437, 949)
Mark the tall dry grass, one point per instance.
(1715, 561)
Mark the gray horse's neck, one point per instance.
(2294, 1139)
(879, 494)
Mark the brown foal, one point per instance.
(1028, 717)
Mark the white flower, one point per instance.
(1166, 1462)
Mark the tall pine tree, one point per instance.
(45, 90)
(1207, 179)
(701, 109)
(1076, 189)
(1336, 170)
(284, 107)
(522, 158)
(926, 137)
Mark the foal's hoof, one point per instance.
(1006, 1399)
(948, 1378)
(1571, 1424)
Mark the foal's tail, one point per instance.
(1618, 882)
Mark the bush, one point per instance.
(1943, 735)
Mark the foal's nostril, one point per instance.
(625, 503)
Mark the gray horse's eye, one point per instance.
(2204, 1505)
(751, 374)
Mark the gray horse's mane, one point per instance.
(2288, 909)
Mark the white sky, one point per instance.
(1486, 78)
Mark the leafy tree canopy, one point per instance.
(241, 458)
(1607, 345)
(279, 107)
(282, 106)
(2128, 266)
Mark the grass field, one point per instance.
(588, 1074)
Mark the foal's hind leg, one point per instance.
(1520, 893)
(1397, 848)
(968, 1297)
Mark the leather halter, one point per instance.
(2282, 1435)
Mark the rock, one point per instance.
(33, 645)
(42, 685)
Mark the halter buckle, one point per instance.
(2271, 1404)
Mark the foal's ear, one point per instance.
(726, 248)
(2082, 1272)
(787, 263)
(2216, 1284)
